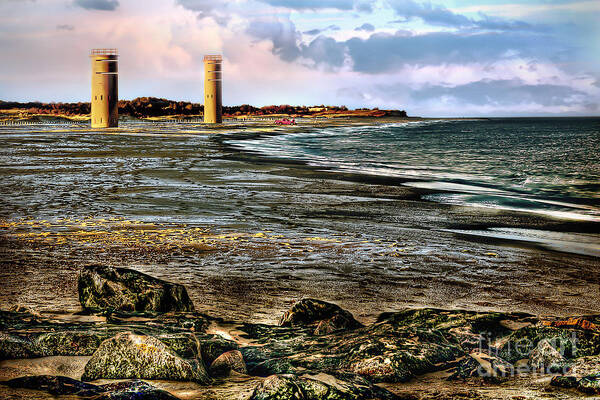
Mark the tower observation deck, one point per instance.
(105, 88)
(212, 89)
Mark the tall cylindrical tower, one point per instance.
(105, 88)
(212, 89)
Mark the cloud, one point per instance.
(325, 51)
(281, 32)
(104, 5)
(365, 27)
(385, 52)
(205, 8)
(65, 27)
(314, 32)
(312, 4)
(504, 93)
(438, 15)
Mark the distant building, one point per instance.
(105, 88)
(213, 106)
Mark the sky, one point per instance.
(439, 58)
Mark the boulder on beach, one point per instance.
(55, 385)
(133, 390)
(130, 356)
(230, 361)
(327, 317)
(104, 288)
(16, 346)
(589, 384)
(386, 351)
(547, 359)
(62, 385)
(293, 387)
(483, 365)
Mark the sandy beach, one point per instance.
(249, 235)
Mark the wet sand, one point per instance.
(248, 236)
(258, 234)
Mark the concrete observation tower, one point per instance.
(105, 88)
(212, 89)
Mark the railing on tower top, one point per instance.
(213, 58)
(104, 52)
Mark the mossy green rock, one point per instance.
(589, 384)
(292, 387)
(382, 352)
(103, 288)
(326, 316)
(62, 385)
(571, 343)
(130, 356)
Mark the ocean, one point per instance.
(533, 165)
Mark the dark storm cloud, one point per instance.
(365, 27)
(503, 93)
(104, 5)
(435, 14)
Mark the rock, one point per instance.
(547, 359)
(16, 347)
(55, 385)
(564, 381)
(292, 387)
(278, 387)
(103, 288)
(230, 361)
(133, 390)
(70, 343)
(589, 384)
(382, 352)
(313, 312)
(62, 385)
(339, 321)
(483, 365)
(571, 342)
(212, 346)
(127, 356)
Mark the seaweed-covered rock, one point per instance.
(546, 358)
(62, 385)
(230, 361)
(292, 387)
(106, 288)
(70, 342)
(564, 381)
(589, 384)
(16, 346)
(55, 385)
(483, 365)
(339, 321)
(571, 343)
(129, 356)
(382, 352)
(329, 317)
(133, 390)
(212, 346)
